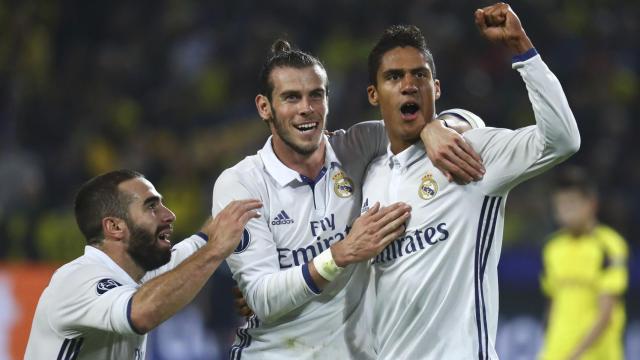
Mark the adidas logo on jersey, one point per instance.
(281, 219)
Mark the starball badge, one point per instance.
(428, 188)
(342, 185)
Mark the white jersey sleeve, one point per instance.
(89, 298)
(269, 291)
(179, 253)
(512, 156)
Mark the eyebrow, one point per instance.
(151, 200)
(402, 71)
(299, 93)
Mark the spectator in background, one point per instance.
(585, 276)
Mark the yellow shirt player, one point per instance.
(585, 277)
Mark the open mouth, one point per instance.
(409, 108)
(306, 127)
(165, 234)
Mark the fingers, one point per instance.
(242, 210)
(479, 19)
(374, 209)
(454, 172)
(464, 160)
(495, 15)
(384, 212)
(395, 225)
(239, 303)
(393, 216)
(392, 236)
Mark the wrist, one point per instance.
(326, 266)
(437, 122)
(521, 45)
(339, 254)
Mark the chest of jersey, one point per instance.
(437, 209)
(576, 263)
(310, 217)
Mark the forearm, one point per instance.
(165, 295)
(607, 303)
(179, 253)
(279, 293)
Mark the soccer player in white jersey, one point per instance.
(301, 266)
(436, 286)
(130, 279)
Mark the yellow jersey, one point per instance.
(577, 270)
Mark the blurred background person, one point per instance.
(585, 276)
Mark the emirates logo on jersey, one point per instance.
(428, 188)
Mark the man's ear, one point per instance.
(436, 86)
(372, 94)
(114, 228)
(264, 107)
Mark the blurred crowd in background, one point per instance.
(167, 88)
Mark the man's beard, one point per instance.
(144, 250)
(288, 138)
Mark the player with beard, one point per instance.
(130, 279)
(302, 266)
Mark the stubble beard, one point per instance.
(288, 137)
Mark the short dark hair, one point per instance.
(398, 36)
(282, 55)
(99, 198)
(575, 178)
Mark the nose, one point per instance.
(409, 86)
(168, 216)
(305, 107)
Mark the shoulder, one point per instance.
(613, 242)
(81, 278)
(554, 240)
(371, 132)
(249, 172)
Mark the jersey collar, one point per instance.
(285, 175)
(99, 256)
(406, 157)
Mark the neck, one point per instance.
(398, 145)
(308, 165)
(584, 228)
(117, 253)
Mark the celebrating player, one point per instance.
(301, 266)
(94, 306)
(436, 286)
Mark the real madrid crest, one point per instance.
(342, 185)
(428, 188)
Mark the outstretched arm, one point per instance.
(165, 295)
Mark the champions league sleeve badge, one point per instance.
(428, 188)
(105, 285)
(342, 185)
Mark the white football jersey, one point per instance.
(301, 217)
(84, 313)
(437, 286)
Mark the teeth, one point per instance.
(306, 126)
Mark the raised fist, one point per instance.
(500, 24)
